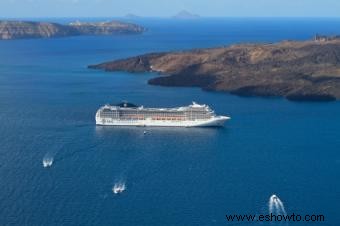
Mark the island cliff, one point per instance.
(26, 29)
(300, 71)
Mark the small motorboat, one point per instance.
(118, 188)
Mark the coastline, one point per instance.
(296, 70)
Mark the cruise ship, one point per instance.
(127, 114)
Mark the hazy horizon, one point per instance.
(166, 8)
(168, 17)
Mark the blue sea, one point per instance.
(187, 176)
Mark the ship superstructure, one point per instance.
(127, 114)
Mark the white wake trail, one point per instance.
(119, 187)
(47, 161)
(275, 206)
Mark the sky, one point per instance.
(166, 8)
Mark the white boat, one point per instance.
(118, 188)
(127, 114)
(47, 162)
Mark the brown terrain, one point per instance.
(25, 29)
(300, 71)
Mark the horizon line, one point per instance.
(172, 17)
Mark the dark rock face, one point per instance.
(134, 64)
(299, 71)
(23, 29)
(310, 97)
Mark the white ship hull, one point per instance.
(213, 122)
(127, 114)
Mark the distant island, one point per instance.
(185, 15)
(299, 71)
(132, 16)
(26, 29)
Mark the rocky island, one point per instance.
(25, 29)
(185, 15)
(300, 71)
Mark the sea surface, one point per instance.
(173, 176)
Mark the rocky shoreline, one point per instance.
(27, 30)
(298, 71)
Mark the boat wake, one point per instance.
(119, 188)
(54, 147)
(47, 162)
(276, 206)
(51, 156)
